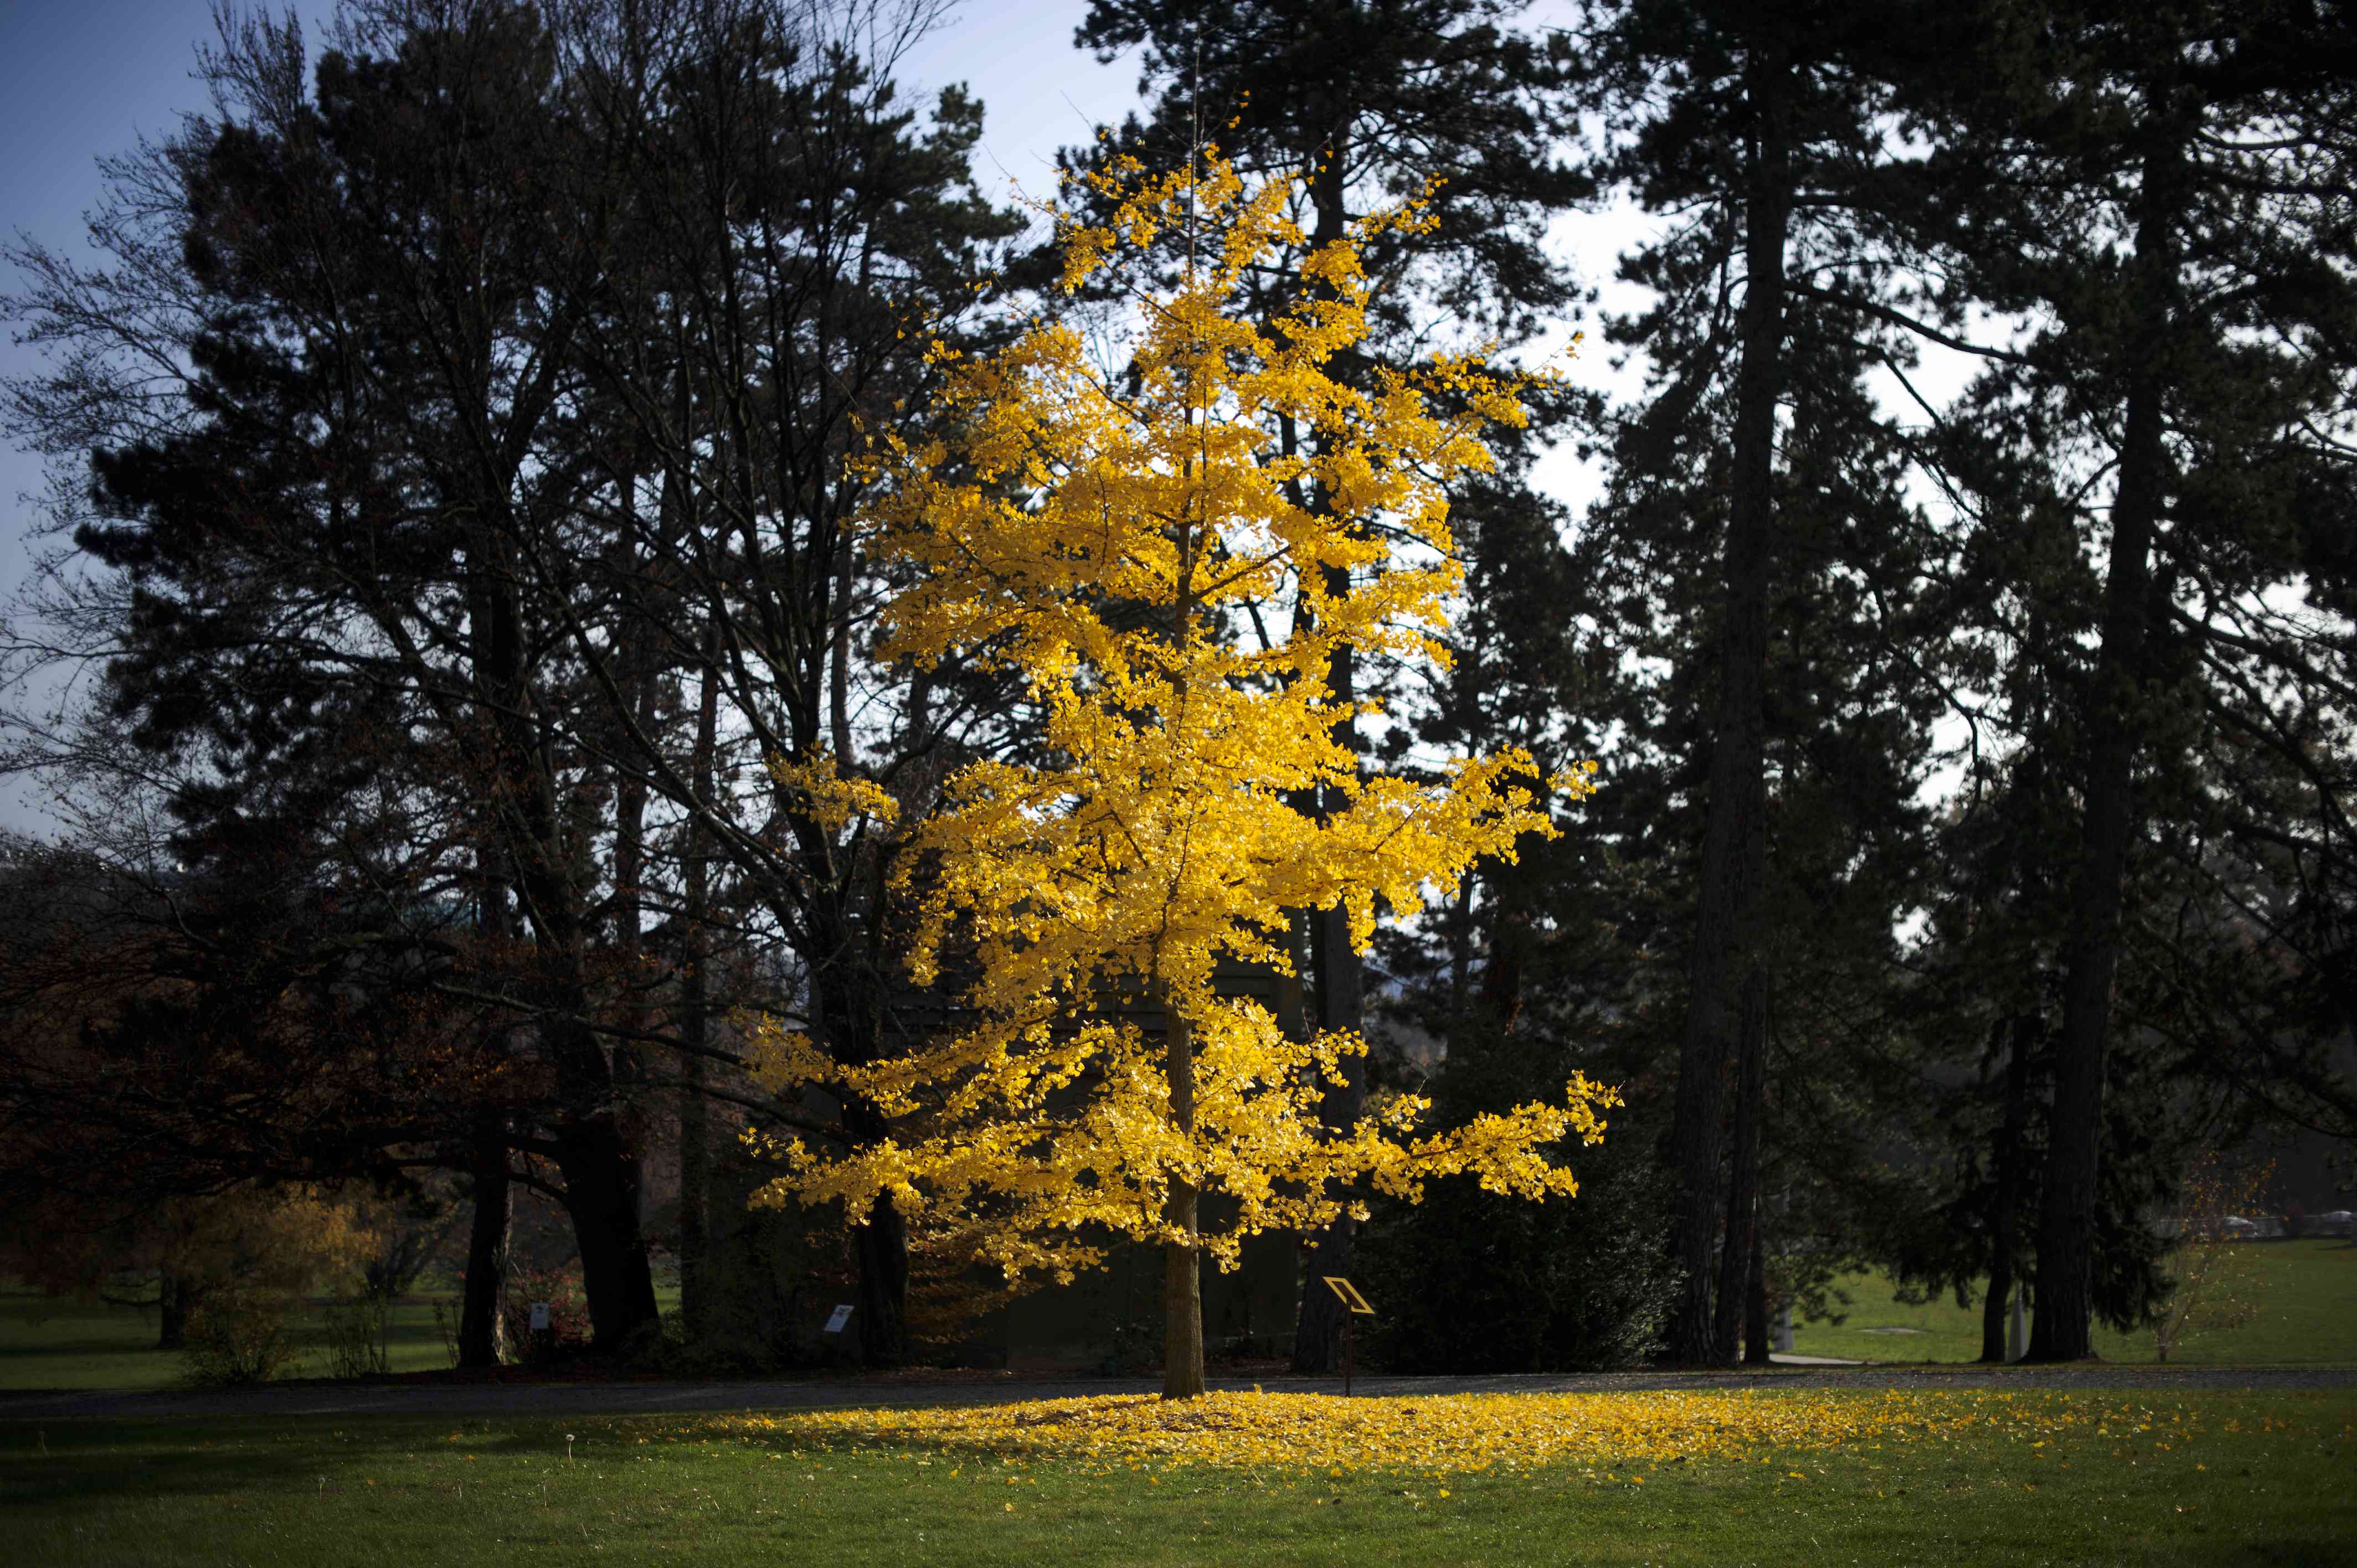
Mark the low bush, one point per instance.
(237, 1335)
(359, 1332)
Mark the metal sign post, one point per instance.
(1348, 1294)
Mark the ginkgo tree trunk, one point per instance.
(1106, 530)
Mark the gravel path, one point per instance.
(545, 1398)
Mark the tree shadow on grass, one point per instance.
(76, 1463)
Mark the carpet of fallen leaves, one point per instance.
(1471, 1432)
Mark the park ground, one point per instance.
(2197, 1475)
(2305, 1293)
(1895, 1464)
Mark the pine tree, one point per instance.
(1759, 126)
(2158, 189)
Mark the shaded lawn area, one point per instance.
(61, 1342)
(2209, 1477)
(2306, 1292)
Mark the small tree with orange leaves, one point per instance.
(1101, 530)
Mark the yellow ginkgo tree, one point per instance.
(1105, 532)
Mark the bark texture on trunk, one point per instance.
(2066, 1226)
(1731, 875)
(1739, 1259)
(2005, 1238)
(695, 1134)
(482, 1312)
(174, 1297)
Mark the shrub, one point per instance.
(359, 1324)
(237, 1335)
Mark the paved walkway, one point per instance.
(659, 1398)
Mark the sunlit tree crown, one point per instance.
(1139, 541)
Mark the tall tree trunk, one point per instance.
(838, 663)
(695, 1002)
(602, 1192)
(1755, 1289)
(1725, 934)
(1739, 1255)
(848, 1013)
(174, 1296)
(883, 1314)
(1183, 1258)
(643, 692)
(880, 1247)
(482, 1311)
(597, 1158)
(2066, 1230)
(595, 1152)
(2005, 1232)
(1994, 1304)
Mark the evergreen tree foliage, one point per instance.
(1755, 567)
(2159, 189)
(1469, 1282)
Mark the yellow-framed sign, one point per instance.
(1349, 1293)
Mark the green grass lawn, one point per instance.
(2306, 1292)
(59, 1342)
(2214, 1478)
